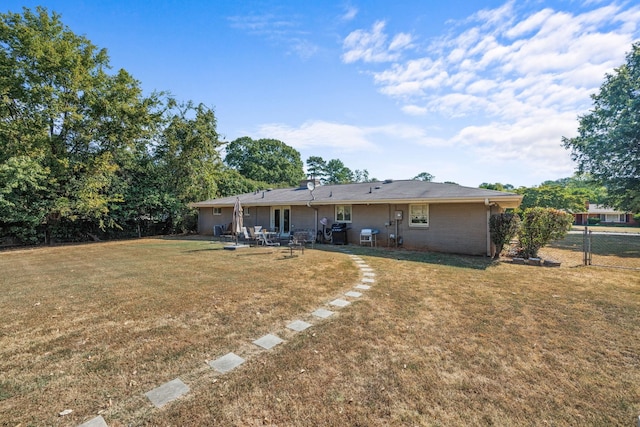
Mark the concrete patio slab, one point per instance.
(340, 302)
(322, 313)
(268, 341)
(167, 392)
(364, 287)
(354, 294)
(298, 325)
(95, 422)
(226, 363)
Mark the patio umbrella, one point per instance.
(236, 219)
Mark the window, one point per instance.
(343, 213)
(419, 215)
(613, 217)
(217, 211)
(246, 211)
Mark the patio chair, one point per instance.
(266, 240)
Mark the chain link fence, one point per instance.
(596, 248)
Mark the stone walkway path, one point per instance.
(174, 389)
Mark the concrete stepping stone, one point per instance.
(268, 341)
(354, 294)
(167, 392)
(298, 325)
(95, 422)
(369, 274)
(226, 363)
(340, 302)
(322, 313)
(369, 269)
(368, 280)
(365, 287)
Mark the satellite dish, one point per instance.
(311, 186)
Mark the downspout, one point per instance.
(488, 205)
(315, 220)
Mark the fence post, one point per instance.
(586, 246)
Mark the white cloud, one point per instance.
(526, 74)
(372, 46)
(318, 134)
(349, 14)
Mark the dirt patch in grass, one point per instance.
(438, 340)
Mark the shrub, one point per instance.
(539, 227)
(503, 228)
(593, 221)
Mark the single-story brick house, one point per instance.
(416, 214)
(605, 215)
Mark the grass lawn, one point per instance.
(438, 340)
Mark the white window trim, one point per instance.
(419, 224)
(246, 211)
(350, 220)
(217, 211)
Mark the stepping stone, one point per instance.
(367, 269)
(353, 294)
(368, 280)
(369, 274)
(322, 313)
(340, 302)
(167, 392)
(95, 422)
(298, 325)
(268, 341)
(365, 287)
(226, 363)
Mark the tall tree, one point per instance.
(316, 167)
(189, 160)
(59, 106)
(608, 141)
(268, 160)
(337, 173)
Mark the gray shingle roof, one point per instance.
(404, 191)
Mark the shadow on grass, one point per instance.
(452, 260)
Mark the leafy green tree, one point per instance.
(361, 176)
(316, 167)
(267, 160)
(503, 227)
(189, 161)
(539, 227)
(231, 183)
(424, 176)
(23, 198)
(496, 186)
(552, 196)
(608, 141)
(337, 173)
(59, 106)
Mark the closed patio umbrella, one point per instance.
(236, 219)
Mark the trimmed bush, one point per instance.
(503, 228)
(541, 226)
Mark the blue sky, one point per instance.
(469, 91)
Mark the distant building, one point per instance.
(605, 215)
